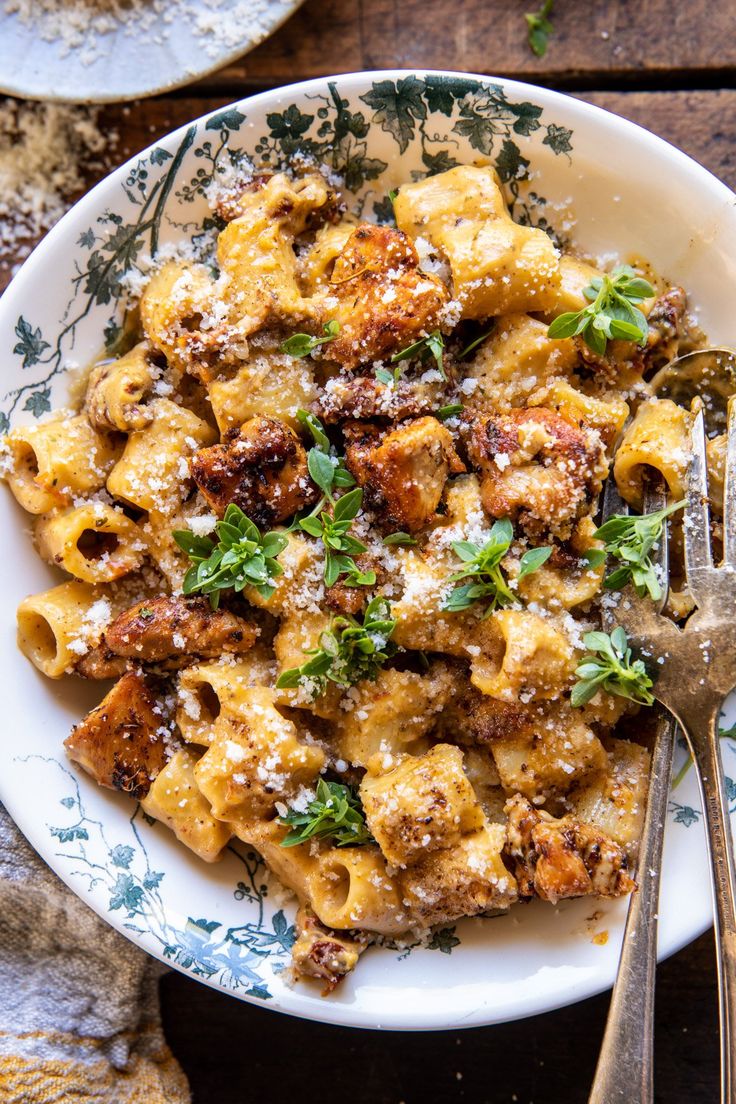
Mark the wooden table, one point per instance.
(671, 67)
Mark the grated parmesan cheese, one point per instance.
(46, 152)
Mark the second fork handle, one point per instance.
(624, 1074)
(706, 744)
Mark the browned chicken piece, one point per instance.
(562, 858)
(261, 467)
(101, 663)
(403, 472)
(383, 301)
(122, 743)
(475, 718)
(320, 952)
(537, 468)
(158, 629)
(666, 316)
(347, 397)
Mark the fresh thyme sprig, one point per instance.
(630, 539)
(399, 538)
(326, 468)
(609, 666)
(340, 547)
(348, 651)
(431, 345)
(302, 344)
(474, 345)
(240, 557)
(452, 410)
(484, 566)
(539, 28)
(335, 813)
(389, 379)
(611, 312)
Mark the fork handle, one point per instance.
(720, 845)
(625, 1064)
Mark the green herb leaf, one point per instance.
(389, 379)
(393, 194)
(611, 312)
(348, 651)
(450, 411)
(484, 566)
(326, 468)
(315, 427)
(532, 560)
(302, 344)
(340, 546)
(539, 28)
(240, 557)
(399, 538)
(609, 666)
(431, 345)
(335, 813)
(629, 539)
(474, 345)
(595, 557)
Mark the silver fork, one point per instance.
(625, 1063)
(698, 669)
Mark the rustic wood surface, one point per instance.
(672, 68)
(237, 1054)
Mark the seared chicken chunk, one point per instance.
(100, 663)
(403, 472)
(381, 299)
(360, 397)
(322, 953)
(562, 858)
(121, 743)
(538, 468)
(261, 467)
(158, 629)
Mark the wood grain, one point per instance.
(234, 1053)
(630, 40)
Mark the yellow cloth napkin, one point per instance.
(79, 1011)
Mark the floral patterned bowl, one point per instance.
(574, 170)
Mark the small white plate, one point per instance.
(589, 174)
(81, 51)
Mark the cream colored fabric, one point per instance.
(79, 1013)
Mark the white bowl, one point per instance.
(611, 185)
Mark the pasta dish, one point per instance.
(328, 525)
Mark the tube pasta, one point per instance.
(498, 267)
(270, 384)
(177, 802)
(659, 438)
(152, 473)
(351, 888)
(525, 658)
(116, 390)
(57, 627)
(95, 543)
(515, 361)
(205, 689)
(55, 461)
(254, 760)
